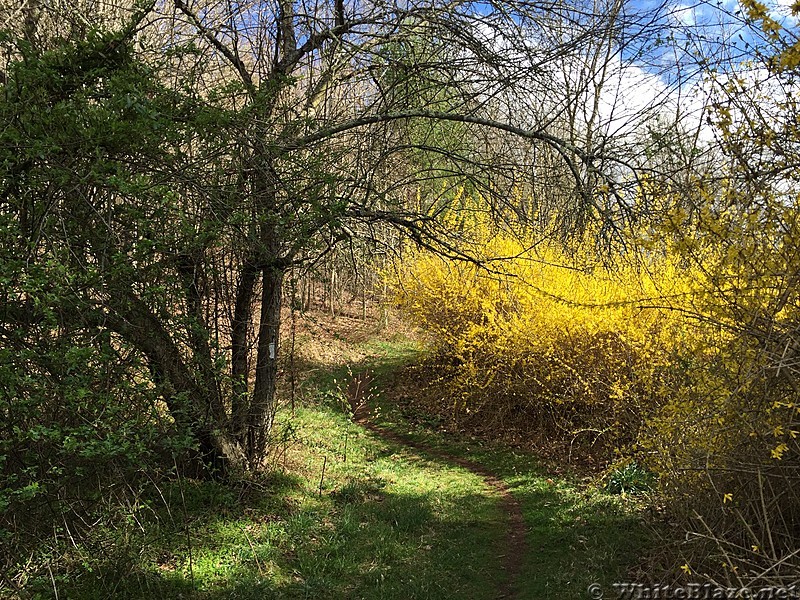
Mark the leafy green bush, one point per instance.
(630, 479)
(83, 430)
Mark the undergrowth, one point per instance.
(346, 514)
(678, 350)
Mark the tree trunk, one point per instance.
(194, 408)
(262, 404)
(240, 349)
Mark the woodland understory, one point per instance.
(570, 229)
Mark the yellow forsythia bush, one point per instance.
(731, 434)
(562, 346)
(684, 347)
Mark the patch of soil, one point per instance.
(322, 340)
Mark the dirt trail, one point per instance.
(514, 545)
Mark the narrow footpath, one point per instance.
(514, 546)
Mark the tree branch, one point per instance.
(232, 58)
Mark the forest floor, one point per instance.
(381, 504)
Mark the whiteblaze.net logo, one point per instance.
(691, 591)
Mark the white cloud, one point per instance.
(684, 14)
(783, 8)
(631, 97)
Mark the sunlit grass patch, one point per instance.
(382, 522)
(576, 532)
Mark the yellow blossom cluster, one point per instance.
(641, 349)
(573, 344)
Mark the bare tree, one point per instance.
(295, 126)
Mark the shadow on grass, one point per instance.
(389, 524)
(576, 534)
(379, 545)
(576, 540)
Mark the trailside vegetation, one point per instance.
(675, 350)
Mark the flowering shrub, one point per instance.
(551, 342)
(682, 350)
(730, 434)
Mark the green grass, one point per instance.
(387, 522)
(577, 534)
(383, 358)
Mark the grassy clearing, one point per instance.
(577, 534)
(386, 522)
